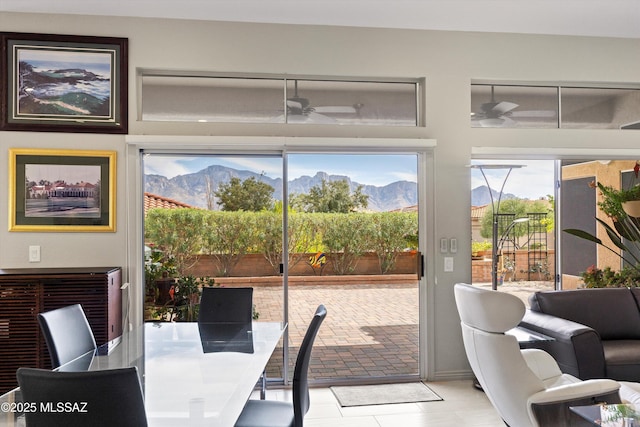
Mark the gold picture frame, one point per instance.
(62, 190)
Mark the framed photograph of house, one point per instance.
(63, 83)
(62, 190)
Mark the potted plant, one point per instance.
(479, 249)
(159, 274)
(631, 201)
(617, 202)
(184, 299)
(594, 277)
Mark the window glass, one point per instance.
(526, 106)
(351, 103)
(600, 108)
(209, 99)
(514, 106)
(278, 100)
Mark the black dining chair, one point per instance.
(229, 306)
(67, 333)
(271, 413)
(104, 398)
(226, 305)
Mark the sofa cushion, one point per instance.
(612, 312)
(623, 359)
(636, 295)
(621, 352)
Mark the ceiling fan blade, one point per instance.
(503, 107)
(534, 113)
(335, 109)
(294, 104)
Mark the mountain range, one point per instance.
(192, 188)
(481, 196)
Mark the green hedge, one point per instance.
(183, 233)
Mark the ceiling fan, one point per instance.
(501, 113)
(300, 110)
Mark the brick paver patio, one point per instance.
(370, 330)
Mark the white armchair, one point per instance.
(526, 387)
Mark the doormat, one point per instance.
(382, 394)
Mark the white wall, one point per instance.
(447, 60)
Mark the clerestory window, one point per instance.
(559, 106)
(273, 99)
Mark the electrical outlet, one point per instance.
(448, 264)
(34, 253)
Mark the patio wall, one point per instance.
(481, 269)
(256, 265)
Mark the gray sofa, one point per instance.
(596, 332)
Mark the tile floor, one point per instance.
(462, 406)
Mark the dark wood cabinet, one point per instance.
(26, 292)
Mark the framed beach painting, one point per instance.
(62, 190)
(63, 83)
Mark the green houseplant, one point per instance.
(184, 299)
(617, 203)
(159, 273)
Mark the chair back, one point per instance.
(103, 398)
(67, 333)
(226, 305)
(301, 370)
(495, 358)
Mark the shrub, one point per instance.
(388, 236)
(345, 238)
(477, 247)
(177, 232)
(183, 234)
(228, 236)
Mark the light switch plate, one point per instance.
(444, 245)
(453, 245)
(34, 253)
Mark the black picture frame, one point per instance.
(63, 83)
(62, 190)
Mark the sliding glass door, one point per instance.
(301, 229)
(353, 246)
(213, 220)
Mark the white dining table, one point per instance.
(186, 381)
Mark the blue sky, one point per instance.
(369, 169)
(71, 174)
(532, 181)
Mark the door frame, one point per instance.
(137, 145)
